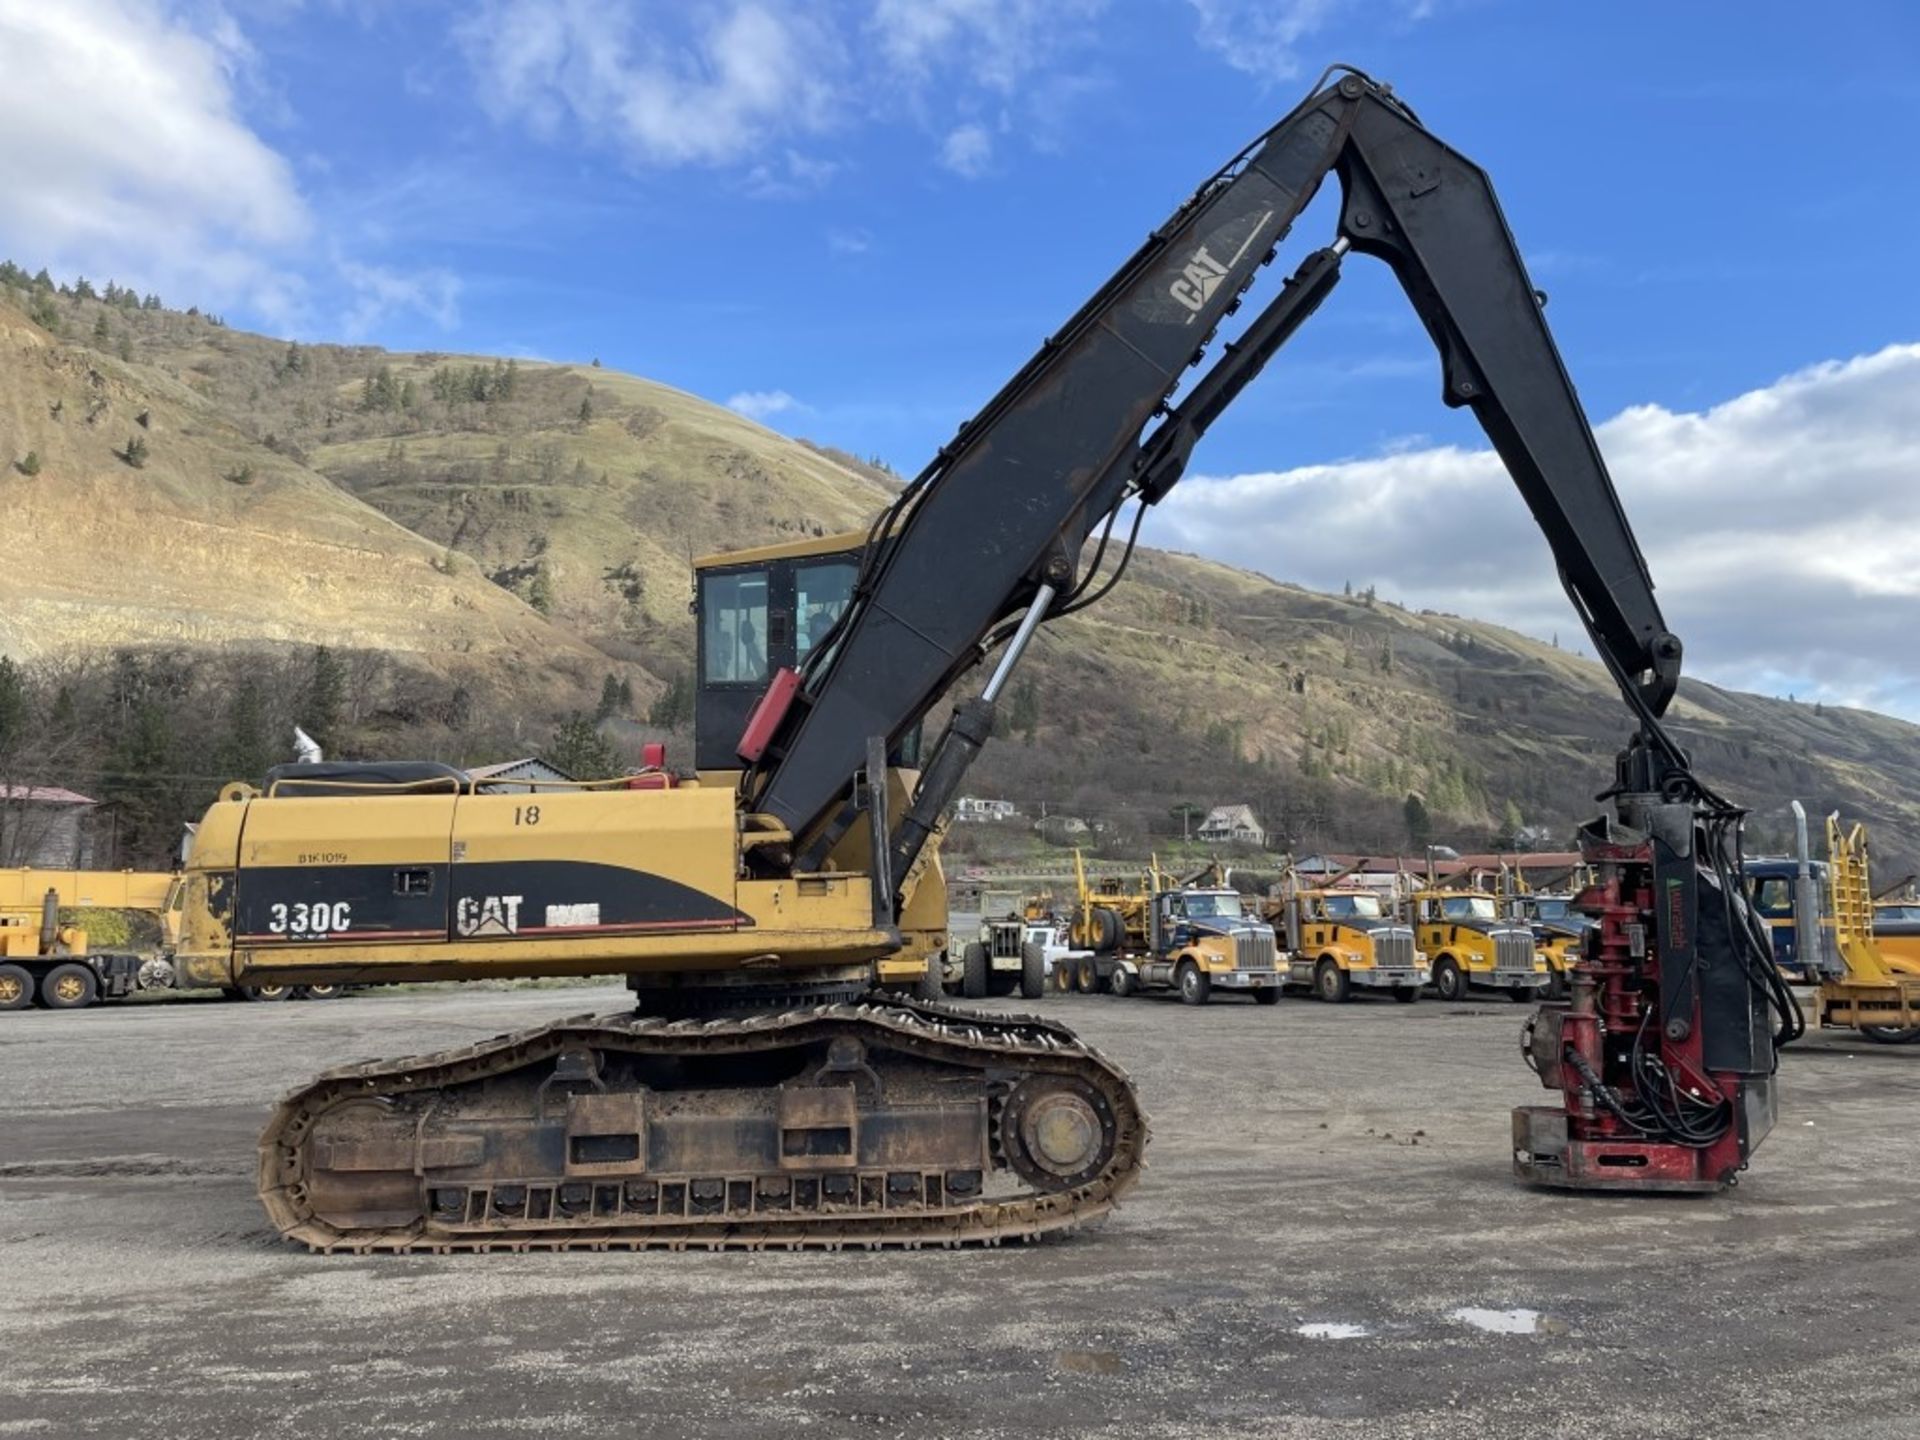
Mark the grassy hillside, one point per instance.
(506, 488)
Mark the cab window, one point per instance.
(1353, 907)
(1550, 909)
(820, 595)
(1468, 907)
(1209, 906)
(734, 628)
(1773, 896)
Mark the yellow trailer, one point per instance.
(46, 962)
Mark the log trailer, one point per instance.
(760, 1096)
(1172, 934)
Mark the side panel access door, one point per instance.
(594, 863)
(344, 870)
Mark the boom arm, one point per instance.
(992, 530)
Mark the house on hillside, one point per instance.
(1062, 829)
(46, 826)
(973, 808)
(1231, 824)
(515, 777)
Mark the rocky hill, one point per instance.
(532, 523)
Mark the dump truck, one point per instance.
(1338, 939)
(1473, 946)
(1170, 934)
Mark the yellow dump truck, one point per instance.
(44, 961)
(1339, 939)
(1474, 946)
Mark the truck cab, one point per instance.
(1201, 940)
(1475, 947)
(1557, 930)
(1338, 939)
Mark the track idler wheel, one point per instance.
(1057, 1132)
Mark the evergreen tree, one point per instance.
(673, 707)
(136, 452)
(540, 591)
(321, 706)
(579, 749)
(1419, 823)
(245, 752)
(13, 707)
(1026, 708)
(31, 465)
(586, 408)
(609, 705)
(102, 333)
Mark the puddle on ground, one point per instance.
(1333, 1330)
(1503, 1322)
(1089, 1362)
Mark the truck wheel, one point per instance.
(1523, 995)
(1106, 928)
(266, 992)
(1122, 982)
(1062, 976)
(1559, 986)
(1331, 983)
(1086, 975)
(1033, 970)
(68, 987)
(16, 988)
(929, 986)
(1195, 984)
(1267, 995)
(973, 971)
(1406, 994)
(1448, 983)
(323, 992)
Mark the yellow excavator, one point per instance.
(762, 1093)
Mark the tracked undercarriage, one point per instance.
(876, 1124)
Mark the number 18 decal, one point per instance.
(317, 919)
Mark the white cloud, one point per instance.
(128, 157)
(763, 405)
(125, 153)
(1262, 37)
(733, 81)
(709, 93)
(379, 293)
(1780, 528)
(996, 43)
(968, 151)
(849, 240)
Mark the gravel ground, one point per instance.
(1327, 1243)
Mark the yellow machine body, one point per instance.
(392, 882)
(1880, 992)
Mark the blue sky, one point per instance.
(855, 219)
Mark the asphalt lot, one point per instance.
(1327, 1243)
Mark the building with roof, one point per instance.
(517, 777)
(46, 826)
(1231, 824)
